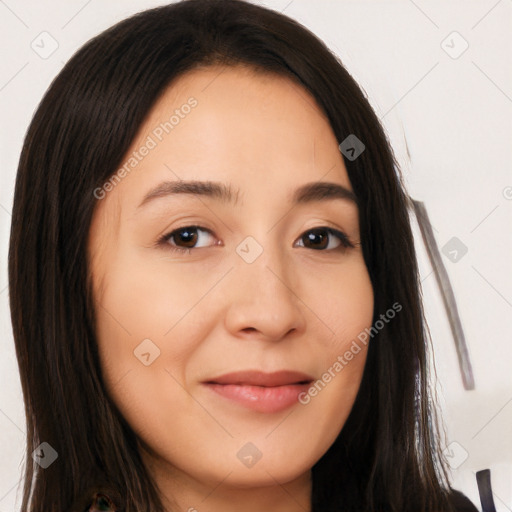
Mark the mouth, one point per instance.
(260, 391)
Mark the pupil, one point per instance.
(188, 237)
(317, 234)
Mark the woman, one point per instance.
(214, 289)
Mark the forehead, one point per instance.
(261, 132)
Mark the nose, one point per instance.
(262, 301)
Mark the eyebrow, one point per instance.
(310, 192)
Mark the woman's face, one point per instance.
(220, 304)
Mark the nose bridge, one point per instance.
(264, 269)
(263, 296)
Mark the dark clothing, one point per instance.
(460, 502)
(463, 504)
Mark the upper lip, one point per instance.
(259, 378)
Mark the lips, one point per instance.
(260, 391)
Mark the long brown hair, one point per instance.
(386, 457)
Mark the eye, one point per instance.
(196, 237)
(102, 503)
(186, 238)
(321, 239)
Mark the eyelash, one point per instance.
(163, 241)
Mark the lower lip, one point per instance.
(259, 398)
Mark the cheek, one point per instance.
(142, 358)
(141, 302)
(344, 301)
(148, 327)
(347, 305)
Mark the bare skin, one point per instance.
(298, 306)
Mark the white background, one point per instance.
(456, 116)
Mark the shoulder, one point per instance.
(461, 503)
